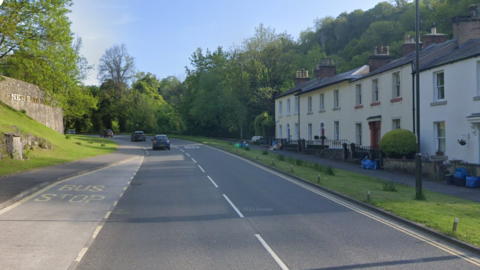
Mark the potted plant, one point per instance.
(316, 137)
(322, 137)
(462, 142)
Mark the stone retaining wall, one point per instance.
(431, 169)
(25, 96)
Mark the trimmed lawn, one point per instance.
(437, 212)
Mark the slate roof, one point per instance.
(298, 88)
(467, 50)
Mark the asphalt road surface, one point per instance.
(196, 207)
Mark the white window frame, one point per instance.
(295, 106)
(396, 91)
(440, 142)
(295, 136)
(288, 106)
(310, 128)
(396, 123)
(322, 102)
(309, 104)
(439, 88)
(375, 92)
(336, 99)
(280, 133)
(358, 133)
(336, 130)
(279, 108)
(358, 94)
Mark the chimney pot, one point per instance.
(375, 50)
(434, 30)
(387, 48)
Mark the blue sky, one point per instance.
(162, 35)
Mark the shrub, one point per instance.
(398, 143)
(299, 162)
(390, 186)
(102, 144)
(23, 111)
(247, 148)
(79, 143)
(265, 152)
(290, 159)
(67, 136)
(328, 170)
(281, 157)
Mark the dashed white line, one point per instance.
(194, 160)
(81, 254)
(97, 230)
(272, 253)
(107, 215)
(201, 168)
(187, 154)
(211, 180)
(182, 150)
(233, 206)
(115, 203)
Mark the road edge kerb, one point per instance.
(38, 187)
(415, 225)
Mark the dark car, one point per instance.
(160, 141)
(106, 133)
(71, 131)
(138, 136)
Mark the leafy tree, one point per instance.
(117, 65)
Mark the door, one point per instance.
(375, 133)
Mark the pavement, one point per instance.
(472, 194)
(14, 187)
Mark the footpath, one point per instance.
(472, 194)
(14, 187)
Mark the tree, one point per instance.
(117, 65)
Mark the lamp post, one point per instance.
(241, 102)
(418, 155)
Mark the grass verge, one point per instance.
(437, 212)
(65, 150)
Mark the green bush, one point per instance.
(328, 170)
(299, 162)
(281, 157)
(398, 143)
(265, 152)
(247, 148)
(79, 143)
(390, 186)
(291, 159)
(67, 136)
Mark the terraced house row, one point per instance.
(361, 105)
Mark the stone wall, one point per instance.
(25, 96)
(431, 169)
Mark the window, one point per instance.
(310, 138)
(288, 106)
(336, 130)
(322, 102)
(295, 106)
(358, 94)
(280, 108)
(336, 99)
(396, 124)
(358, 134)
(309, 104)
(295, 136)
(440, 136)
(375, 90)
(439, 85)
(280, 135)
(396, 84)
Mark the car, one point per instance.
(160, 141)
(258, 140)
(138, 136)
(106, 133)
(71, 131)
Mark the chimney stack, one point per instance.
(326, 68)
(433, 38)
(409, 45)
(377, 60)
(468, 27)
(301, 77)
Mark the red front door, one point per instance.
(374, 133)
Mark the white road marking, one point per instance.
(115, 203)
(194, 160)
(97, 230)
(234, 207)
(272, 253)
(121, 194)
(125, 188)
(212, 181)
(182, 150)
(107, 215)
(187, 154)
(81, 254)
(201, 168)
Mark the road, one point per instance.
(196, 207)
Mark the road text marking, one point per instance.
(233, 206)
(272, 253)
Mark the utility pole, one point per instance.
(241, 102)
(418, 155)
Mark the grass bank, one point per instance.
(65, 149)
(437, 212)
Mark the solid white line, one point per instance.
(194, 160)
(81, 254)
(97, 230)
(201, 168)
(187, 154)
(212, 181)
(272, 253)
(234, 207)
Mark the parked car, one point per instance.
(71, 131)
(106, 133)
(160, 141)
(258, 140)
(138, 136)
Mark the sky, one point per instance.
(162, 35)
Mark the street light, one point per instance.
(418, 155)
(241, 102)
